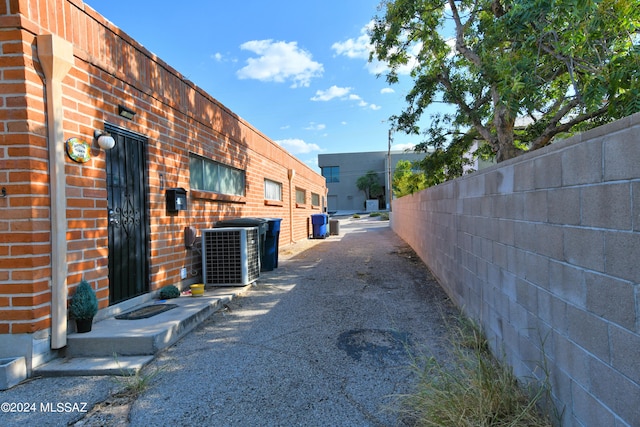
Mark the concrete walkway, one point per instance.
(325, 339)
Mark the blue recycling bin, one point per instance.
(319, 223)
(270, 257)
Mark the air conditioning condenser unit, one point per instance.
(230, 256)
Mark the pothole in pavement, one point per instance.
(380, 344)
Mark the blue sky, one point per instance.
(296, 70)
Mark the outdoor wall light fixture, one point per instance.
(105, 140)
(126, 112)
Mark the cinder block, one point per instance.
(612, 299)
(506, 231)
(615, 391)
(516, 261)
(624, 352)
(575, 160)
(606, 206)
(523, 176)
(568, 283)
(564, 206)
(525, 236)
(548, 171)
(518, 319)
(544, 306)
(635, 215)
(500, 255)
(500, 181)
(549, 241)
(473, 187)
(536, 270)
(514, 207)
(584, 247)
(526, 295)
(572, 361)
(588, 410)
(618, 247)
(535, 205)
(622, 155)
(498, 205)
(589, 332)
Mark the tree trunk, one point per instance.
(504, 124)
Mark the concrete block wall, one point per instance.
(543, 250)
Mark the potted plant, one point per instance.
(84, 305)
(169, 292)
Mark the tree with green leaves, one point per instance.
(369, 184)
(518, 73)
(406, 180)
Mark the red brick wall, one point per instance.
(175, 115)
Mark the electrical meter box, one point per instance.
(176, 199)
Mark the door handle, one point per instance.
(112, 218)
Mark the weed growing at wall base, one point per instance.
(471, 389)
(135, 383)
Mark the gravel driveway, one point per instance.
(325, 339)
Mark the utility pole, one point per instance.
(390, 184)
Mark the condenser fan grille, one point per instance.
(230, 256)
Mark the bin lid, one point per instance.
(274, 223)
(261, 223)
(319, 219)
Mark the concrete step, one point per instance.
(123, 347)
(147, 336)
(93, 366)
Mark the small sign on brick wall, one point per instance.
(78, 150)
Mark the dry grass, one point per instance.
(472, 389)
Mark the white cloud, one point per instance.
(279, 62)
(387, 90)
(298, 146)
(316, 126)
(343, 94)
(220, 57)
(331, 93)
(361, 48)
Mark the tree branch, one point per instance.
(553, 128)
(460, 43)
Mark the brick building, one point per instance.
(68, 74)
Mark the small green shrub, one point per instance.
(375, 214)
(84, 303)
(168, 292)
(356, 216)
(384, 216)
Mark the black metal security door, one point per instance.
(128, 217)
